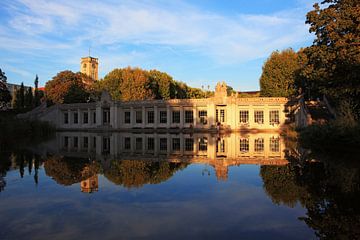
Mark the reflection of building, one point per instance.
(203, 148)
(90, 185)
(89, 67)
(221, 111)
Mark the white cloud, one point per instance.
(223, 38)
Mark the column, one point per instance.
(89, 117)
(155, 116)
(169, 145)
(181, 144)
(98, 116)
(80, 119)
(143, 116)
(156, 144)
(195, 115)
(69, 117)
(182, 117)
(251, 116)
(132, 117)
(168, 117)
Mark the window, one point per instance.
(150, 117)
(86, 118)
(66, 142)
(244, 145)
(163, 144)
(138, 116)
(203, 116)
(94, 117)
(259, 117)
(86, 142)
(244, 116)
(176, 144)
(76, 142)
(138, 143)
(94, 142)
(176, 116)
(189, 116)
(84, 66)
(274, 117)
(274, 144)
(127, 143)
(220, 146)
(106, 145)
(66, 118)
(127, 117)
(150, 144)
(259, 145)
(163, 116)
(189, 144)
(203, 144)
(76, 120)
(221, 117)
(106, 116)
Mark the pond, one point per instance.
(97, 185)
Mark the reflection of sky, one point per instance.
(188, 205)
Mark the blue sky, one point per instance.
(198, 42)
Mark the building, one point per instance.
(220, 112)
(89, 66)
(218, 151)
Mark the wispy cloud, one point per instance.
(72, 26)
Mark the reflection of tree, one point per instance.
(67, 171)
(280, 184)
(135, 173)
(330, 192)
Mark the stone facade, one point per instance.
(219, 151)
(220, 112)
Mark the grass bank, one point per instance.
(15, 132)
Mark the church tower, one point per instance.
(89, 67)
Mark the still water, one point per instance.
(174, 186)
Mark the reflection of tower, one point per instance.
(89, 67)
(90, 185)
(221, 170)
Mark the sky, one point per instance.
(197, 42)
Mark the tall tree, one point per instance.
(36, 101)
(20, 97)
(28, 100)
(334, 58)
(279, 74)
(5, 96)
(66, 87)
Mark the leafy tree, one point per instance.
(5, 96)
(67, 87)
(28, 100)
(137, 84)
(334, 58)
(279, 74)
(19, 102)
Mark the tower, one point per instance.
(89, 67)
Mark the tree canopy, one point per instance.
(137, 84)
(67, 87)
(279, 74)
(333, 66)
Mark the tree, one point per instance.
(37, 96)
(5, 96)
(67, 87)
(19, 102)
(137, 84)
(279, 74)
(28, 100)
(334, 58)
